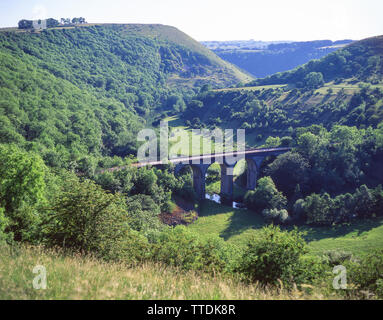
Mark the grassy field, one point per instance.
(215, 187)
(188, 144)
(255, 88)
(76, 277)
(236, 225)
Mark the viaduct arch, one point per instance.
(200, 165)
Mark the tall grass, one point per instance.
(78, 277)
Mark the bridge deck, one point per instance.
(214, 155)
(200, 157)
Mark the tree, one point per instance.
(25, 24)
(365, 202)
(275, 216)
(205, 88)
(272, 142)
(265, 196)
(65, 20)
(273, 255)
(288, 170)
(367, 273)
(86, 218)
(21, 178)
(318, 209)
(143, 213)
(52, 23)
(22, 190)
(314, 80)
(4, 222)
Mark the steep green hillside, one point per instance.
(57, 119)
(73, 92)
(345, 88)
(278, 110)
(221, 70)
(359, 61)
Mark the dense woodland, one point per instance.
(74, 95)
(72, 101)
(279, 111)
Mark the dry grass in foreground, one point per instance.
(76, 277)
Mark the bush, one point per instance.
(337, 257)
(134, 248)
(265, 196)
(4, 221)
(313, 270)
(88, 219)
(213, 173)
(274, 255)
(368, 273)
(143, 213)
(182, 248)
(318, 209)
(323, 210)
(275, 216)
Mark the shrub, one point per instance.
(337, 257)
(4, 221)
(313, 270)
(88, 219)
(273, 255)
(178, 247)
(318, 209)
(135, 248)
(368, 273)
(299, 212)
(265, 196)
(143, 213)
(276, 216)
(213, 173)
(182, 248)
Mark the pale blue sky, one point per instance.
(219, 19)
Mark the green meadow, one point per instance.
(237, 225)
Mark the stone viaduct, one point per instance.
(227, 161)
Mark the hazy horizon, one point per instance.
(214, 20)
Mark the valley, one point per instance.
(262, 58)
(73, 103)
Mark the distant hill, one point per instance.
(78, 91)
(212, 69)
(359, 61)
(262, 59)
(343, 88)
